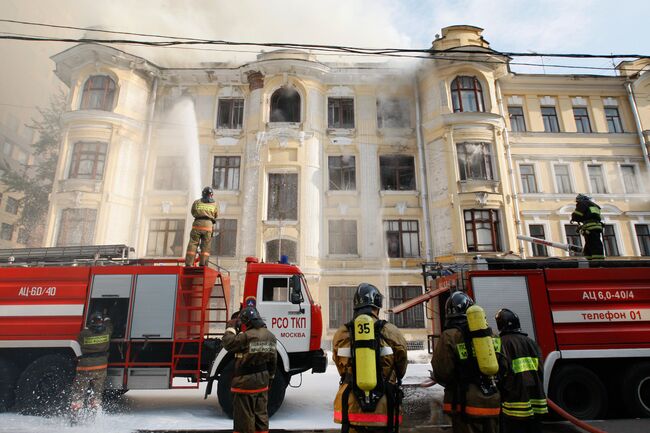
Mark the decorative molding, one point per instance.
(579, 101)
(610, 102)
(547, 100)
(481, 198)
(165, 207)
(515, 100)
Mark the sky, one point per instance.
(587, 26)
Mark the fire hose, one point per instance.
(557, 409)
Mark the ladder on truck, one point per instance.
(200, 312)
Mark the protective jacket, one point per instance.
(522, 388)
(94, 344)
(455, 367)
(393, 363)
(255, 359)
(205, 214)
(588, 214)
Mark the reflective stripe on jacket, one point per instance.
(587, 213)
(205, 214)
(255, 359)
(94, 345)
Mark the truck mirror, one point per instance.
(296, 290)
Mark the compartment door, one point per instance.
(154, 306)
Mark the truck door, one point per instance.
(289, 322)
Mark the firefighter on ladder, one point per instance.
(380, 411)
(587, 214)
(94, 341)
(523, 401)
(254, 347)
(204, 211)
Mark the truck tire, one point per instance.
(636, 390)
(42, 388)
(8, 375)
(579, 391)
(277, 391)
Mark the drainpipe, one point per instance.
(145, 157)
(637, 120)
(424, 198)
(511, 171)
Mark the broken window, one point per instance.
(283, 197)
(281, 247)
(342, 172)
(224, 239)
(342, 237)
(285, 105)
(165, 237)
(76, 227)
(98, 93)
(171, 173)
(88, 159)
(467, 94)
(474, 161)
(340, 113)
(482, 230)
(230, 113)
(225, 173)
(402, 238)
(397, 172)
(393, 113)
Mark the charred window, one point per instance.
(474, 161)
(467, 94)
(340, 302)
(12, 205)
(482, 230)
(224, 239)
(414, 316)
(643, 237)
(98, 93)
(76, 227)
(171, 173)
(537, 231)
(285, 105)
(225, 173)
(609, 241)
(283, 197)
(342, 173)
(340, 113)
(6, 232)
(342, 237)
(281, 247)
(230, 114)
(393, 113)
(397, 172)
(582, 119)
(88, 160)
(165, 238)
(402, 238)
(572, 235)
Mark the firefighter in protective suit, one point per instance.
(471, 399)
(380, 412)
(204, 211)
(94, 341)
(254, 347)
(522, 388)
(587, 214)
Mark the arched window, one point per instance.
(285, 105)
(467, 94)
(98, 93)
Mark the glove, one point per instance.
(232, 323)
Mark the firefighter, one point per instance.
(382, 414)
(471, 399)
(587, 214)
(204, 211)
(254, 347)
(94, 341)
(522, 388)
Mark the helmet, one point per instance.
(507, 320)
(250, 317)
(457, 304)
(207, 192)
(582, 197)
(367, 295)
(96, 319)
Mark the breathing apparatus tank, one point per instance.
(364, 353)
(482, 341)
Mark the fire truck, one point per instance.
(590, 319)
(167, 322)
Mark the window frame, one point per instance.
(519, 119)
(414, 317)
(230, 171)
(546, 119)
(295, 113)
(495, 228)
(12, 205)
(611, 240)
(643, 247)
(5, 229)
(487, 161)
(236, 111)
(395, 164)
(569, 177)
(574, 239)
(615, 120)
(289, 241)
(604, 177)
(342, 304)
(635, 170)
(88, 232)
(98, 157)
(106, 91)
(345, 173)
(535, 249)
(166, 231)
(272, 214)
(345, 106)
(346, 233)
(400, 232)
(525, 186)
(582, 119)
(226, 235)
(476, 90)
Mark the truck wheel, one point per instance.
(277, 391)
(8, 374)
(579, 391)
(43, 385)
(636, 390)
(223, 388)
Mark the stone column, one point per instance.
(368, 181)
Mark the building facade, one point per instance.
(357, 172)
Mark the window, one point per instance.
(482, 230)
(342, 173)
(12, 205)
(88, 160)
(275, 289)
(224, 239)
(278, 247)
(393, 113)
(528, 183)
(411, 318)
(517, 122)
(609, 241)
(6, 232)
(397, 172)
(225, 173)
(474, 161)
(285, 105)
(582, 119)
(283, 197)
(467, 95)
(402, 238)
(537, 231)
(76, 227)
(171, 173)
(166, 237)
(596, 179)
(340, 113)
(230, 114)
(549, 116)
(562, 179)
(98, 93)
(613, 119)
(342, 237)
(341, 299)
(629, 178)
(643, 237)
(572, 235)
(7, 149)
(23, 236)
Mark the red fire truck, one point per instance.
(167, 321)
(591, 320)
